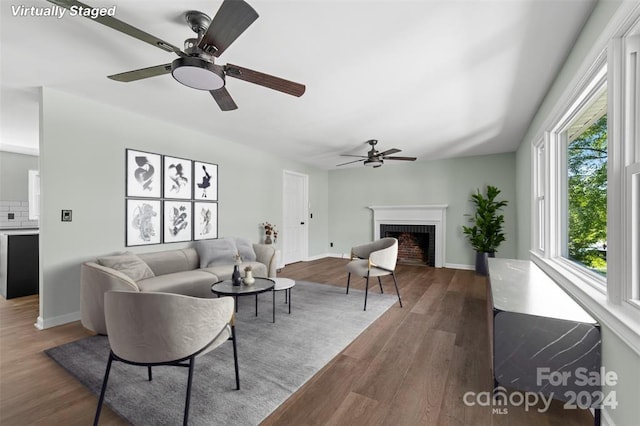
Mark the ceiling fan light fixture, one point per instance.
(197, 73)
(374, 162)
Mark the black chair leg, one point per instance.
(396, 284)
(380, 282)
(366, 292)
(189, 381)
(149, 371)
(235, 356)
(348, 280)
(104, 389)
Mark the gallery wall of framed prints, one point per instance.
(169, 199)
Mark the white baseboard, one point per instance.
(42, 323)
(459, 266)
(323, 255)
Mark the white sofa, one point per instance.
(190, 271)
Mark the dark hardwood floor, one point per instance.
(411, 367)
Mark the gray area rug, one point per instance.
(274, 359)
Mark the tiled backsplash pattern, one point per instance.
(20, 210)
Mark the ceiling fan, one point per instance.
(195, 67)
(376, 158)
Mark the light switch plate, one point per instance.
(66, 216)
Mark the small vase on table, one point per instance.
(236, 279)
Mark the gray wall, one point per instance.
(82, 160)
(616, 355)
(424, 182)
(14, 176)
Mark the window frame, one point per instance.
(616, 305)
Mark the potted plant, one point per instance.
(485, 234)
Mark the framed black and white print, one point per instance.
(177, 221)
(177, 174)
(144, 174)
(143, 222)
(205, 220)
(205, 181)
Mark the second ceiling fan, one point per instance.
(195, 66)
(376, 158)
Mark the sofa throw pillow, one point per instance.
(216, 252)
(129, 264)
(245, 248)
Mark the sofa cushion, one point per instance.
(223, 272)
(168, 261)
(129, 264)
(195, 283)
(216, 252)
(245, 248)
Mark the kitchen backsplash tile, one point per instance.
(20, 212)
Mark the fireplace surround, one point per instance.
(433, 215)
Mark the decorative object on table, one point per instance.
(142, 222)
(248, 276)
(270, 231)
(205, 181)
(486, 234)
(236, 279)
(205, 220)
(177, 221)
(177, 177)
(144, 174)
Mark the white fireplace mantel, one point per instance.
(430, 214)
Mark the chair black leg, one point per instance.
(235, 356)
(396, 284)
(149, 371)
(189, 381)
(380, 282)
(348, 280)
(366, 292)
(104, 389)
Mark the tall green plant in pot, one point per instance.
(486, 232)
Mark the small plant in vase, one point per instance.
(270, 232)
(248, 276)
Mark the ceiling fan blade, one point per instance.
(118, 25)
(142, 73)
(233, 17)
(349, 162)
(266, 80)
(223, 99)
(401, 158)
(390, 151)
(351, 155)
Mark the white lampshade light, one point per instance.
(197, 73)
(373, 162)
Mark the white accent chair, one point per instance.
(150, 329)
(374, 259)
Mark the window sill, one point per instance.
(623, 320)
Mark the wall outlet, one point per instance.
(11, 216)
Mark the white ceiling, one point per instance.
(436, 78)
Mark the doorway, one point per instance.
(295, 238)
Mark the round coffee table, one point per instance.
(284, 284)
(226, 288)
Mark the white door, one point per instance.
(295, 235)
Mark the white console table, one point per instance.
(537, 330)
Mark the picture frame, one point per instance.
(177, 221)
(143, 222)
(177, 174)
(143, 174)
(205, 181)
(205, 220)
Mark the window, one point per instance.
(585, 201)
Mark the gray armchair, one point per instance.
(150, 329)
(374, 259)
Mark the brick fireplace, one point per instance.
(420, 230)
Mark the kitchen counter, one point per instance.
(19, 265)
